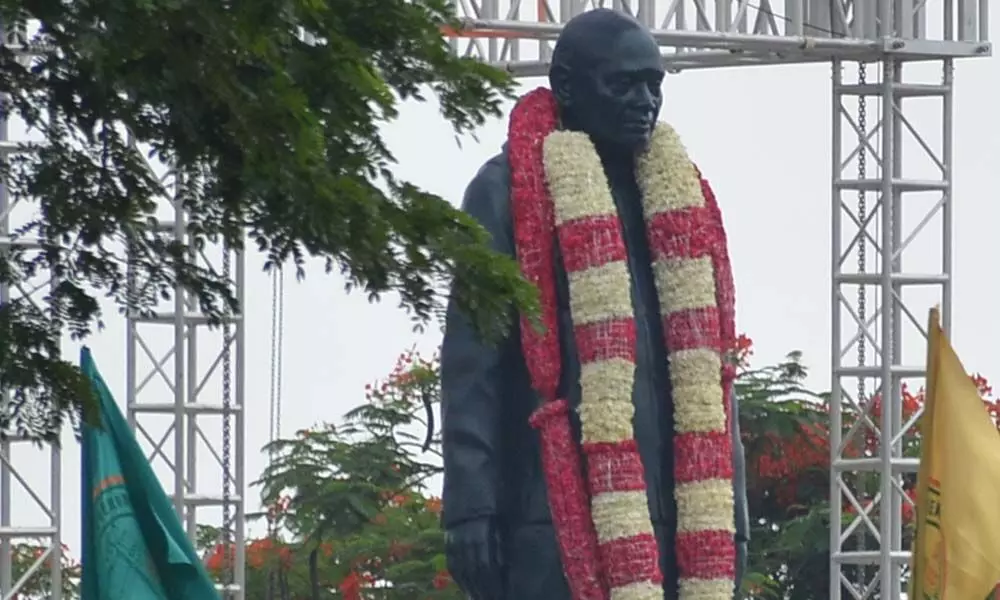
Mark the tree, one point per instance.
(33, 556)
(270, 116)
(351, 497)
(350, 516)
(786, 435)
(351, 512)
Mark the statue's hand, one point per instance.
(474, 558)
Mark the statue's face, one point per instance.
(618, 101)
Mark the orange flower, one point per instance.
(350, 587)
(257, 552)
(442, 580)
(262, 550)
(216, 560)
(743, 350)
(434, 505)
(984, 387)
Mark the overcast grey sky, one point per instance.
(761, 135)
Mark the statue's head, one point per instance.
(606, 76)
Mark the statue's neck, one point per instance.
(617, 162)
(619, 168)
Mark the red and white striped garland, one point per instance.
(560, 190)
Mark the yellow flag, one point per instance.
(956, 554)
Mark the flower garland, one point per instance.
(560, 191)
(534, 236)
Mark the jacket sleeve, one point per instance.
(740, 494)
(471, 375)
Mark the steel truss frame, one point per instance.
(189, 381)
(868, 550)
(187, 333)
(17, 486)
(699, 34)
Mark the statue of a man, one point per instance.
(598, 456)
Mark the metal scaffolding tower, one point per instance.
(892, 208)
(202, 396)
(175, 348)
(26, 489)
(30, 493)
(875, 124)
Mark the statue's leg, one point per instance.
(668, 563)
(534, 568)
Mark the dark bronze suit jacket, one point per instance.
(492, 464)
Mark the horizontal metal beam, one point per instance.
(869, 557)
(873, 371)
(677, 62)
(17, 532)
(190, 408)
(697, 49)
(170, 318)
(671, 38)
(874, 465)
(210, 499)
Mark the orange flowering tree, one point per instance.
(352, 517)
(786, 434)
(33, 556)
(350, 512)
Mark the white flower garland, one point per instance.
(669, 182)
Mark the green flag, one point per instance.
(133, 545)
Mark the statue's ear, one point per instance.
(561, 82)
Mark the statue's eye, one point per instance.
(655, 83)
(619, 84)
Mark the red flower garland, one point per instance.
(702, 554)
(532, 119)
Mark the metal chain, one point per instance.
(862, 267)
(277, 350)
(273, 434)
(277, 321)
(862, 218)
(281, 352)
(227, 436)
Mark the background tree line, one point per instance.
(351, 516)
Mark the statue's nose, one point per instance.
(643, 97)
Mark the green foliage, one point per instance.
(787, 438)
(353, 496)
(350, 515)
(354, 493)
(787, 485)
(271, 116)
(35, 556)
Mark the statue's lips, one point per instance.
(638, 126)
